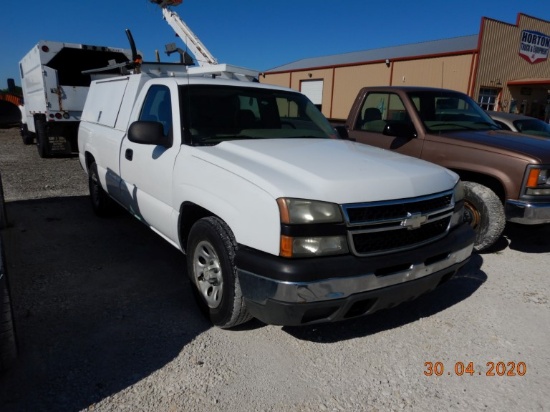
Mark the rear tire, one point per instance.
(27, 136)
(484, 211)
(42, 142)
(211, 268)
(8, 343)
(102, 204)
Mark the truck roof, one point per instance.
(195, 80)
(412, 88)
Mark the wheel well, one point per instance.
(189, 214)
(492, 183)
(89, 160)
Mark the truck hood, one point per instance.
(330, 170)
(500, 141)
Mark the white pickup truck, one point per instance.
(279, 219)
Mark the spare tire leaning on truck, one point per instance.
(484, 211)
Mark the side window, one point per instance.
(157, 107)
(380, 109)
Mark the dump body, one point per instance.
(55, 89)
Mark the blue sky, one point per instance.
(254, 34)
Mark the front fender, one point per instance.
(250, 212)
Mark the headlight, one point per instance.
(538, 182)
(302, 238)
(313, 246)
(459, 191)
(300, 211)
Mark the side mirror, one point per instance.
(405, 130)
(145, 132)
(342, 132)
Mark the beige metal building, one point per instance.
(504, 67)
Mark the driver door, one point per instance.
(147, 170)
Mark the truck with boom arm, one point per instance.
(279, 219)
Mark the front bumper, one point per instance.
(305, 291)
(527, 213)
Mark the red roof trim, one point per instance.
(397, 59)
(526, 82)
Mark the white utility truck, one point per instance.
(55, 88)
(279, 219)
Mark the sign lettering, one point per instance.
(534, 46)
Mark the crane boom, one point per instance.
(193, 43)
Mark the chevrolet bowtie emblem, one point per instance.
(414, 220)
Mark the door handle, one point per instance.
(129, 154)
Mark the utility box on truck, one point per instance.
(55, 85)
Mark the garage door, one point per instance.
(313, 89)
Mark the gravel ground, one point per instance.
(106, 322)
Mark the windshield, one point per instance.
(533, 126)
(446, 111)
(214, 114)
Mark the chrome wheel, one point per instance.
(207, 273)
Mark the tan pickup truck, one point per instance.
(506, 175)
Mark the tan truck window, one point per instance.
(379, 109)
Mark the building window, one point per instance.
(487, 98)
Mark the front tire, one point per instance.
(484, 211)
(8, 343)
(102, 204)
(211, 268)
(27, 136)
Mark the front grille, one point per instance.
(384, 227)
(389, 240)
(386, 211)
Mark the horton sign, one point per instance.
(534, 46)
